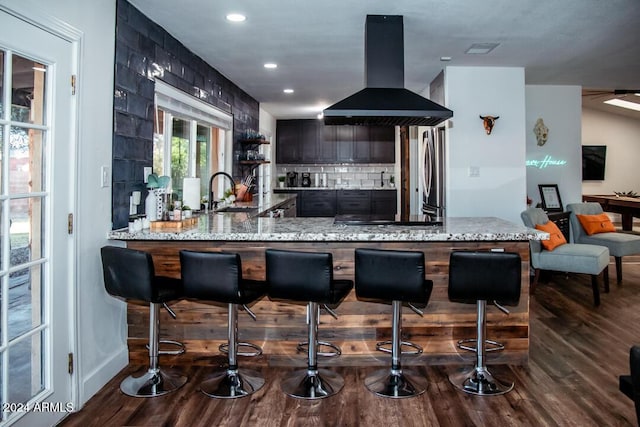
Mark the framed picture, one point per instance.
(551, 201)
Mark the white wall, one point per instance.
(267, 126)
(621, 135)
(500, 188)
(102, 324)
(559, 160)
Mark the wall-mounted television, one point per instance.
(593, 161)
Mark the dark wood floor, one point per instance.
(577, 352)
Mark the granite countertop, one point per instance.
(337, 187)
(245, 227)
(260, 205)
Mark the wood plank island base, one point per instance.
(360, 325)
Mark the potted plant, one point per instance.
(187, 212)
(281, 181)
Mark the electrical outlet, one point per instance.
(147, 171)
(105, 176)
(474, 171)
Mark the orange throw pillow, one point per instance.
(593, 224)
(556, 237)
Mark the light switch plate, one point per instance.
(146, 173)
(105, 176)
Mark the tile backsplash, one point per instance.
(343, 176)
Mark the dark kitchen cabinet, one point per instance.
(310, 141)
(383, 202)
(361, 144)
(343, 137)
(303, 141)
(326, 147)
(317, 203)
(382, 144)
(288, 141)
(353, 202)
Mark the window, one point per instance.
(189, 138)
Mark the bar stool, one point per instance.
(396, 276)
(307, 277)
(475, 278)
(217, 277)
(130, 274)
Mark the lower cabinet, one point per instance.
(384, 202)
(353, 202)
(329, 203)
(317, 203)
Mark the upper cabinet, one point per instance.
(310, 141)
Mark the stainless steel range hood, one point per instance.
(384, 100)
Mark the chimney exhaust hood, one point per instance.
(384, 100)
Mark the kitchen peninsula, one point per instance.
(360, 325)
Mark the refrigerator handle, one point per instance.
(428, 165)
(421, 165)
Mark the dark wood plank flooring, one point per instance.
(576, 354)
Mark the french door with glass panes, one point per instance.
(36, 248)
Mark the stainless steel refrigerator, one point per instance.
(432, 171)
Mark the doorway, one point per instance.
(37, 195)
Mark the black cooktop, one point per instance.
(364, 219)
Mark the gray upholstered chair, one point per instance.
(619, 244)
(570, 257)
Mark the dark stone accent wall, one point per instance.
(144, 51)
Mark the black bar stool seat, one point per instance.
(399, 277)
(217, 277)
(475, 278)
(130, 274)
(307, 277)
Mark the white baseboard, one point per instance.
(95, 380)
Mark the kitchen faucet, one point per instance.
(212, 204)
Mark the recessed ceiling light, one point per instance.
(270, 65)
(236, 17)
(445, 58)
(624, 104)
(481, 48)
(288, 91)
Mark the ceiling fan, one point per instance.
(607, 92)
(628, 99)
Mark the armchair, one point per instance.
(619, 244)
(569, 257)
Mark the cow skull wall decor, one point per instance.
(489, 122)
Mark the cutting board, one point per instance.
(173, 225)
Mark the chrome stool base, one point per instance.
(495, 345)
(152, 383)
(381, 347)
(303, 347)
(224, 348)
(479, 381)
(178, 351)
(231, 384)
(396, 384)
(313, 384)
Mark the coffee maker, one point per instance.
(292, 179)
(306, 179)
